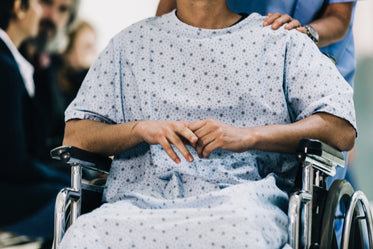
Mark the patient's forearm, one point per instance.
(115, 139)
(327, 128)
(99, 137)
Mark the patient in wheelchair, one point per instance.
(202, 109)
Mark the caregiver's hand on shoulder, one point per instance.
(167, 133)
(214, 135)
(277, 20)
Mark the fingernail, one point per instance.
(177, 160)
(190, 158)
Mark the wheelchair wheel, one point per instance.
(339, 193)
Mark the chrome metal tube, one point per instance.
(76, 179)
(307, 179)
(295, 207)
(294, 219)
(62, 202)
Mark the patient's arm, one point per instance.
(330, 129)
(109, 139)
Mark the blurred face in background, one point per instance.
(83, 50)
(55, 16)
(28, 24)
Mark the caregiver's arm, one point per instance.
(325, 127)
(332, 26)
(111, 139)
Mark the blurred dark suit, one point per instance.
(28, 187)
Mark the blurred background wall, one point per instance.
(111, 16)
(363, 29)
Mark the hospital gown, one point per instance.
(245, 75)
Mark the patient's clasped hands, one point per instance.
(204, 136)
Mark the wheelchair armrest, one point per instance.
(318, 148)
(320, 154)
(73, 155)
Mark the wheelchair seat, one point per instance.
(312, 209)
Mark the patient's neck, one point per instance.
(207, 14)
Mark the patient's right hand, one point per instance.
(166, 133)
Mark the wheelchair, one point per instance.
(312, 209)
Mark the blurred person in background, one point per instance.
(28, 187)
(71, 66)
(80, 53)
(57, 17)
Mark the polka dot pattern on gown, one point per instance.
(244, 75)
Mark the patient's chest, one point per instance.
(236, 79)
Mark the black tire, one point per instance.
(340, 190)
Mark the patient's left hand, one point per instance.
(213, 135)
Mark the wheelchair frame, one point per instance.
(318, 161)
(69, 199)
